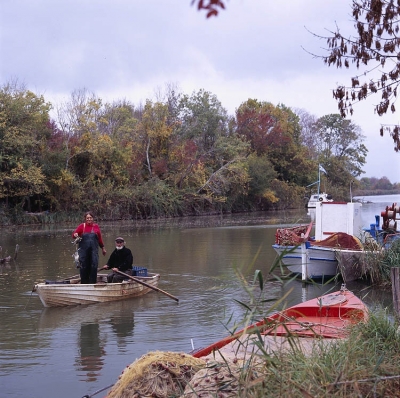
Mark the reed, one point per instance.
(380, 266)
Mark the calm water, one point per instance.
(70, 352)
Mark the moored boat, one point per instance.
(71, 292)
(339, 254)
(318, 198)
(334, 250)
(325, 317)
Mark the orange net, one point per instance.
(340, 240)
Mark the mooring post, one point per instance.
(304, 270)
(395, 276)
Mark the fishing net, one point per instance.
(156, 374)
(214, 381)
(290, 236)
(340, 240)
(223, 378)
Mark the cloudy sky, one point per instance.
(132, 49)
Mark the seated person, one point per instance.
(121, 259)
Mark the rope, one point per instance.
(97, 392)
(29, 298)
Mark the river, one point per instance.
(70, 352)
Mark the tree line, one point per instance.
(181, 154)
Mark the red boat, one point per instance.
(327, 317)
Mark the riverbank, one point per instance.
(365, 364)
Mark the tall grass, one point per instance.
(388, 259)
(366, 364)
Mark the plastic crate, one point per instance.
(139, 271)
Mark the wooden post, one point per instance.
(395, 276)
(304, 261)
(304, 253)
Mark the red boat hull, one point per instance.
(328, 317)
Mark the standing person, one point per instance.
(121, 259)
(88, 251)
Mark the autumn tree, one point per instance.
(217, 156)
(155, 132)
(308, 136)
(24, 130)
(77, 117)
(275, 131)
(118, 120)
(374, 50)
(261, 186)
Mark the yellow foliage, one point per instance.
(22, 182)
(65, 178)
(270, 196)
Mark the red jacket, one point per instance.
(85, 228)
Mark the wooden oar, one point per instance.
(147, 285)
(72, 277)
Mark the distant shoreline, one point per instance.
(376, 192)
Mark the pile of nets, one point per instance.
(340, 240)
(290, 236)
(156, 374)
(220, 380)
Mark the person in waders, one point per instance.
(88, 251)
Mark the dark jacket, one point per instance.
(121, 259)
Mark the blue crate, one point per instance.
(139, 271)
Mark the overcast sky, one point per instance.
(131, 49)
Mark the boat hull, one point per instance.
(325, 317)
(324, 262)
(60, 295)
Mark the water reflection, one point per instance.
(100, 331)
(91, 351)
(122, 326)
(311, 214)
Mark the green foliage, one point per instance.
(340, 139)
(155, 198)
(288, 194)
(376, 186)
(202, 118)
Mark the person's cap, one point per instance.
(119, 239)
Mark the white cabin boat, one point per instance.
(318, 198)
(335, 249)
